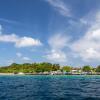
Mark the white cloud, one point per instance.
(56, 56)
(9, 38)
(27, 41)
(26, 59)
(87, 47)
(60, 6)
(20, 41)
(57, 43)
(10, 21)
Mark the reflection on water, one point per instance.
(49, 87)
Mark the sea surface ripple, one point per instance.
(49, 87)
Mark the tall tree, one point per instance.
(98, 69)
(66, 68)
(86, 68)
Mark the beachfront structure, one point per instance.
(56, 72)
(76, 71)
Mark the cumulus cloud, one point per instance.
(20, 41)
(57, 43)
(8, 38)
(60, 6)
(27, 41)
(56, 56)
(87, 47)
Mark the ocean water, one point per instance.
(49, 87)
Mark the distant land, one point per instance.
(46, 68)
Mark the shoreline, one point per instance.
(49, 74)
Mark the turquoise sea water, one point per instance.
(49, 87)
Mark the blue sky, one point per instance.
(57, 31)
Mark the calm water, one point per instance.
(49, 87)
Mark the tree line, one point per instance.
(30, 68)
(43, 67)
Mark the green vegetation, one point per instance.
(30, 68)
(98, 69)
(86, 68)
(47, 67)
(66, 68)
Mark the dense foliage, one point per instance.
(66, 68)
(86, 68)
(30, 68)
(98, 69)
(43, 67)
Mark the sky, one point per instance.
(56, 31)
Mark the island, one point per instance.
(46, 68)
